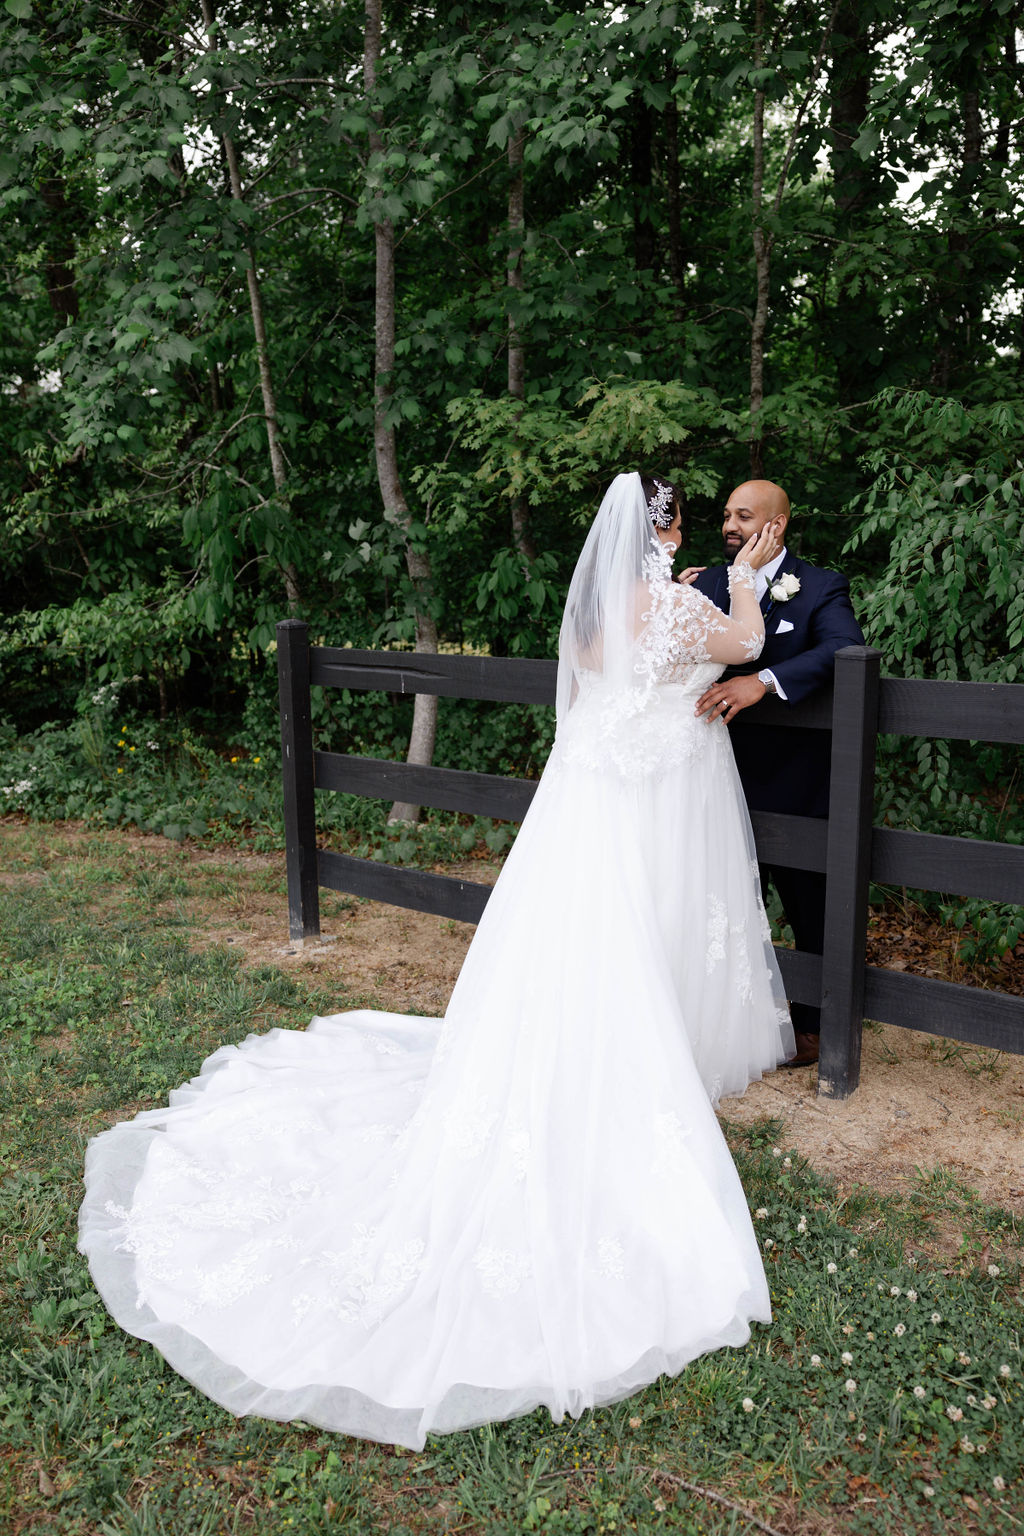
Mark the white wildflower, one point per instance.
(748, 1405)
(831, 1268)
(787, 1162)
(853, 1252)
(900, 1330)
(994, 1270)
(911, 1295)
(850, 1384)
(1004, 1370)
(761, 1214)
(998, 1484)
(964, 1358)
(846, 1357)
(919, 1390)
(936, 1317)
(815, 1360)
(954, 1413)
(801, 1225)
(769, 1242)
(966, 1445)
(894, 1290)
(928, 1491)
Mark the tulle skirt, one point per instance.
(392, 1225)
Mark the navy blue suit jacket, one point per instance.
(788, 769)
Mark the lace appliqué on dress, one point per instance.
(611, 1258)
(670, 1146)
(743, 576)
(357, 1284)
(718, 928)
(677, 623)
(636, 730)
(739, 963)
(515, 1150)
(153, 1225)
(501, 1270)
(469, 1123)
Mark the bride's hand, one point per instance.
(761, 549)
(689, 576)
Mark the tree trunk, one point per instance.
(857, 334)
(642, 178)
(521, 531)
(762, 263)
(396, 508)
(673, 202)
(60, 250)
(763, 239)
(959, 305)
(278, 467)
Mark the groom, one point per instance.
(808, 618)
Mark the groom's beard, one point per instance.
(732, 548)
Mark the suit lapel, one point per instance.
(715, 584)
(787, 568)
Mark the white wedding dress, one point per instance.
(391, 1225)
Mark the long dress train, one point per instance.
(390, 1225)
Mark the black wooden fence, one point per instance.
(847, 847)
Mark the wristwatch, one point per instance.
(769, 682)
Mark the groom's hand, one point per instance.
(725, 700)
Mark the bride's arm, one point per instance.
(739, 635)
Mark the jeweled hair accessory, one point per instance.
(661, 506)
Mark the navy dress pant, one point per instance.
(802, 893)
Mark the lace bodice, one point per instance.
(680, 628)
(682, 642)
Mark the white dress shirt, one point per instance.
(763, 579)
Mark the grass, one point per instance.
(108, 1000)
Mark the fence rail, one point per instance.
(847, 847)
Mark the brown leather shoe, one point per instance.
(806, 1051)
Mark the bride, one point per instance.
(389, 1225)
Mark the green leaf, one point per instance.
(22, 9)
(70, 139)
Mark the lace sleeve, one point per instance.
(709, 634)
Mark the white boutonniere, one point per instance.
(786, 587)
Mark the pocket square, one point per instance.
(784, 627)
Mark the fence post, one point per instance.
(297, 777)
(847, 871)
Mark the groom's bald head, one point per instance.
(749, 508)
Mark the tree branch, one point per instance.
(711, 1495)
(808, 97)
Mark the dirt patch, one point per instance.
(923, 1102)
(375, 955)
